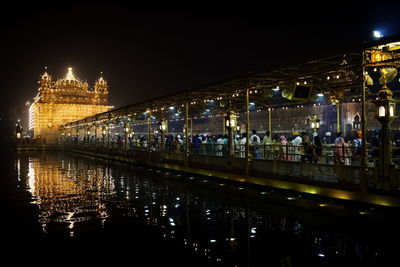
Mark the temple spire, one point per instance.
(70, 75)
(101, 84)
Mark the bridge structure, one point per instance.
(350, 94)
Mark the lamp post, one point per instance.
(385, 107)
(357, 123)
(18, 131)
(315, 123)
(163, 129)
(126, 133)
(231, 124)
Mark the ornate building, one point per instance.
(65, 100)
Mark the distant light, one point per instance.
(171, 108)
(321, 255)
(377, 34)
(276, 88)
(320, 94)
(252, 103)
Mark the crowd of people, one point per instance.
(300, 147)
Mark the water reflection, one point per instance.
(225, 224)
(67, 191)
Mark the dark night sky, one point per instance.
(151, 50)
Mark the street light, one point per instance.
(377, 34)
(385, 107)
(357, 122)
(231, 125)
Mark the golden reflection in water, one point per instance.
(67, 191)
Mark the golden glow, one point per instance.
(391, 110)
(381, 111)
(55, 185)
(65, 100)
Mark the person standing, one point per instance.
(376, 141)
(317, 149)
(357, 144)
(220, 145)
(307, 149)
(341, 152)
(296, 146)
(255, 144)
(267, 142)
(283, 148)
(242, 144)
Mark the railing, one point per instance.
(336, 165)
(326, 154)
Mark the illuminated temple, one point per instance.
(64, 100)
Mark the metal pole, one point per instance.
(186, 132)
(108, 134)
(223, 125)
(270, 120)
(247, 150)
(162, 143)
(126, 133)
(338, 117)
(191, 127)
(149, 132)
(363, 165)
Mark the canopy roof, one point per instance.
(337, 77)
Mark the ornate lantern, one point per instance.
(315, 123)
(231, 119)
(164, 126)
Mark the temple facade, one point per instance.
(64, 100)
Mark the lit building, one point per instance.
(65, 100)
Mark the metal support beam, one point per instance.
(270, 120)
(126, 133)
(149, 133)
(187, 132)
(247, 150)
(363, 165)
(338, 117)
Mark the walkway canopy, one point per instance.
(339, 78)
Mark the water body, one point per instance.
(65, 207)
